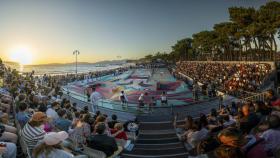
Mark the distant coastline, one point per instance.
(72, 63)
(67, 68)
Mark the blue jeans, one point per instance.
(94, 108)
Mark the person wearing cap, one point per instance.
(50, 146)
(32, 132)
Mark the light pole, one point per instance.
(76, 52)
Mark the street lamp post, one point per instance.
(76, 52)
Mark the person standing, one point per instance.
(195, 91)
(164, 98)
(95, 97)
(87, 94)
(123, 99)
(141, 101)
(152, 104)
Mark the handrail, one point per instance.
(130, 107)
(278, 90)
(257, 97)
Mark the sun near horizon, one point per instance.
(28, 55)
(21, 54)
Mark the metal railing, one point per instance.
(132, 107)
(278, 90)
(256, 97)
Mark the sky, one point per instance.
(48, 31)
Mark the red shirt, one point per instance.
(121, 135)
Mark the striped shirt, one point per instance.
(32, 135)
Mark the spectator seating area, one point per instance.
(248, 130)
(234, 79)
(37, 122)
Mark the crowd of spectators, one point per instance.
(51, 126)
(247, 130)
(234, 79)
(62, 79)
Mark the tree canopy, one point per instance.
(250, 34)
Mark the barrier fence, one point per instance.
(256, 97)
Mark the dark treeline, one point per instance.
(250, 34)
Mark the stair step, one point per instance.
(157, 132)
(155, 126)
(159, 146)
(178, 155)
(157, 141)
(155, 136)
(157, 152)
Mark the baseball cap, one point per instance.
(39, 116)
(54, 138)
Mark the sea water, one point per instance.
(56, 69)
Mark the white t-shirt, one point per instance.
(123, 95)
(163, 98)
(52, 113)
(94, 97)
(141, 98)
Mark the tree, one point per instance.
(226, 41)
(148, 57)
(243, 18)
(269, 18)
(249, 34)
(183, 48)
(205, 44)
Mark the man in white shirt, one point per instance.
(163, 98)
(94, 98)
(141, 101)
(51, 112)
(123, 98)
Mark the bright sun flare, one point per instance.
(22, 55)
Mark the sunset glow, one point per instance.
(22, 55)
(52, 30)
